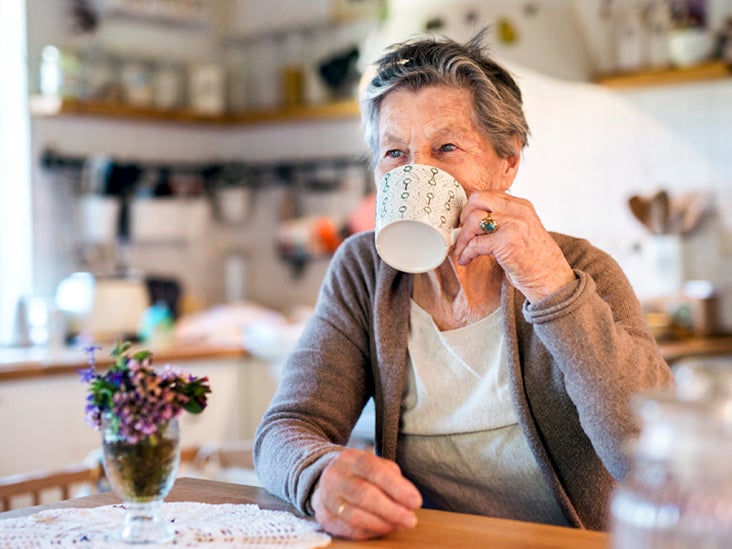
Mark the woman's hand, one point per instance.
(362, 496)
(531, 259)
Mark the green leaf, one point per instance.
(139, 356)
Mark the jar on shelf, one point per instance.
(168, 85)
(261, 66)
(207, 88)
(292, 70)
(235, 63)
(678, 493)
(99, 75)
(60, 72)
(137, 81)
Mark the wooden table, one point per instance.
(435, 528)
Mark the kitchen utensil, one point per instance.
(678, 205)
(659, 213)
(640, 209)
(697, 206)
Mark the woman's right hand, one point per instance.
(362, 496)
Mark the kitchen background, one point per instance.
(593, 146)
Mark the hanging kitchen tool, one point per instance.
(659, 212)
(233, 194)
(121, 183)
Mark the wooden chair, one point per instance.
(59, 483)
(226, 455)
(39, 487)
(229, 461)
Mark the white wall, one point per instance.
(547, 34)
(592, 148)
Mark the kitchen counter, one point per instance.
(695, 347)
(34, 362)
(41, 393)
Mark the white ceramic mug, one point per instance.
(417, 215)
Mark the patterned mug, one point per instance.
(417, 216)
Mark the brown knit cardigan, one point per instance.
(574, 358)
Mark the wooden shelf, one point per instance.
(44, 106)
(713, 70)
(344, 108)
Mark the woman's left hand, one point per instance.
(528, 254)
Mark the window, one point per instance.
(15, 185)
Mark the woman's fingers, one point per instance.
(362, 496)
(519, 242)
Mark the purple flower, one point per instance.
(141, 399)
(87, 374)
(90, 350)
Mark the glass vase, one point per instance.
(142, 472)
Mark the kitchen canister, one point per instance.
(168, 85)
(207, 89)
(678, 493)
(137, 84)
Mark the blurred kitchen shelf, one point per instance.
(343, 108)
(713, 70)
(44, 106)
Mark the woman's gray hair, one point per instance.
(421, 62)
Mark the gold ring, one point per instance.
(341, 508)
(488, 224)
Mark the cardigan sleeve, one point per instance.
(324, 387)
(596, 335)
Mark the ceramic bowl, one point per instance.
(689, 47)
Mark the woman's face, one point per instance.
(434, 125)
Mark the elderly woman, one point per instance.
(501, 379)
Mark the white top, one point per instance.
(460, 441)
(457, 382)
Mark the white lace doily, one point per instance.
(196, 524)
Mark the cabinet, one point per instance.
(42, 419)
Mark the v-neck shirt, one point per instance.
(459, 432)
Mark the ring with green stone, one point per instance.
(488, 224)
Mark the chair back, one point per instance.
(58, 484)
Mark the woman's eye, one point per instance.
(448, 147)
(394, 153)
